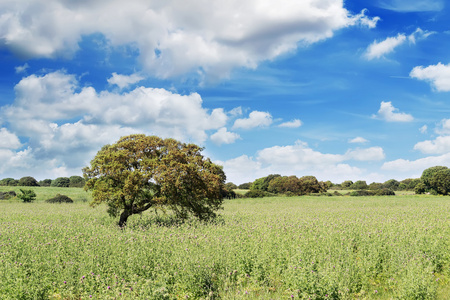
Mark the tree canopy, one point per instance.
(139, 172)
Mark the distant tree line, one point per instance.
(72, 181)
(392, 184)
(434, 180)
(275, 184)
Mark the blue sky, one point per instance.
(354, 90)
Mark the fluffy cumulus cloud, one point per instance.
(124, 81)
(369, 154)
(223, 136)
(300, 159)
(291, 124)
(380, 49)
(255, 119)
(389, 113)
(43, 104)
(439, 145)
(443, 127)
(179, 36)
(437, 75)
(8, 140)
(414, 168)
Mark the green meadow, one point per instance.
(268, 248)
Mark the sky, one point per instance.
(341, 90)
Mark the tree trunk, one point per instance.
(124, 217)
(130, 211)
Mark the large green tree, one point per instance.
(440, 181)
(139, 172)
(28, 181)
(428, 174)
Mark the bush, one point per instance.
(384, 192)
(61, 182)
(257, 194)
(9, 182)
(420, 188)
(28, 181)
(361, 193)
(45, 182)
(59, 199)
(230, 186)
(7, 195)
(27, 195)
(380, 192)
(76, 181)
(359, 185)
(391, 184)
(245, 186)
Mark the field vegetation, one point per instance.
(266, 248)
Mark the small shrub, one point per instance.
(380, 192)
(361, 193)
(45, 182)
(384, 192)
(59, 199)
(257, 194)
(27, 195)
(7, 195)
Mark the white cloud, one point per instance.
(423, 129)
(300, 160)
(438, 75)
(43, 105)
(411, 5)
(124, 81)
(369, 154)
(236, 112)
(222, 136)
(438, 146)
(358, 140)
(416, 167)
(443, 127)
(379, 49)
(291, 124)
(419, 34)
(175, 37)
(21, 69)
(8, 140)
(389, 113)
(255, 119)
(297, 157)
(242, 169)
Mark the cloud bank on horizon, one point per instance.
(266, 87)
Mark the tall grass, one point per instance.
(272, 248)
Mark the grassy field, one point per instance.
(270, 248)
(44, 193)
